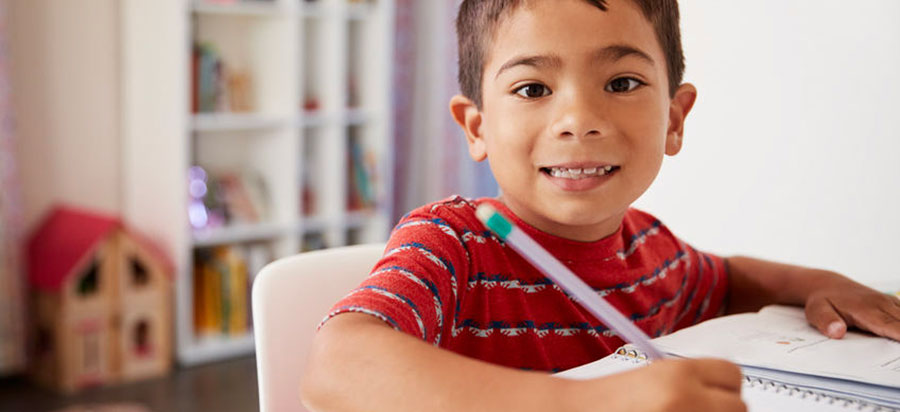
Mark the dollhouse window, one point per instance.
(139, 274)
(142, 338)
(88, 283)
(43, 344)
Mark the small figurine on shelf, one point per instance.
(102, 302)
(352, 92)
(216, 85)
(226, 197)
(311, 104)
(239, 91)
(206, 208)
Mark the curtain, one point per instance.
(431, 160)
(12, 304)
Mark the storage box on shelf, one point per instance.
(293, 93)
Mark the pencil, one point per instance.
(566, 279)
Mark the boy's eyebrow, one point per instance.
(535, 61)
(613, 52)
(620, 51)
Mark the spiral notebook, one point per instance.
(787, 365)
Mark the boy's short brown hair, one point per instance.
(477, 22)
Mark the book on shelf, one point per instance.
(313, 241)
(360, 191)
(222, 279)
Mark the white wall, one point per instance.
(792, 151)
(65, 93)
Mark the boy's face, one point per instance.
(570, 92)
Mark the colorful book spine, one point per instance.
(221, 292)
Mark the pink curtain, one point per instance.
(404, 78)
(12, 306)
(430, 158)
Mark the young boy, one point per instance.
(573, 103)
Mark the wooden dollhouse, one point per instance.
(102, 302)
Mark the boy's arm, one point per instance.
(833, 302)
(358, 363)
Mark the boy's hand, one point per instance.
(670, 385)
(833, 302)
(834, 308)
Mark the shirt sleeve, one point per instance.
(414, 287)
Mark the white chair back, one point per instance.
(290, 297)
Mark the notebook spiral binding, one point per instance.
(636, 356)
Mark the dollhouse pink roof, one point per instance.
(64, 237)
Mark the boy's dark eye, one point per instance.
(623, 85)
(533, 90)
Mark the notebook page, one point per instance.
(602, 367)
(779, 338)
(758, 396)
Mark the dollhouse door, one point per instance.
(90, 353)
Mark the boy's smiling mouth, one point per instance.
(579, 172)
(578, 177)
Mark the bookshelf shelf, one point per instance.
(358, 11)
(226, 122)
(239, 234)
(348, 117)
(357, 218)
(209, 349)
(355, 116)
(313, 225)
(291, 93)
(315, 119)
(238, 8)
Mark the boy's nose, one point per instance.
(579, 118)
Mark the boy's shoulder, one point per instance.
(639, 218)
(456, 208)
(454, 215)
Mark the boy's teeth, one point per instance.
(577, 173)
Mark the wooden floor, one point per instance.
(228, 386)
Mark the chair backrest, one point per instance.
(290, 297)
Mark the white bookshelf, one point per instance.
(292, 50)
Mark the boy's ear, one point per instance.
(469, 118)
(679, 108)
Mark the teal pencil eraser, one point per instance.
(494, 220)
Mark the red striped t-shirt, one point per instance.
(447, 280)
